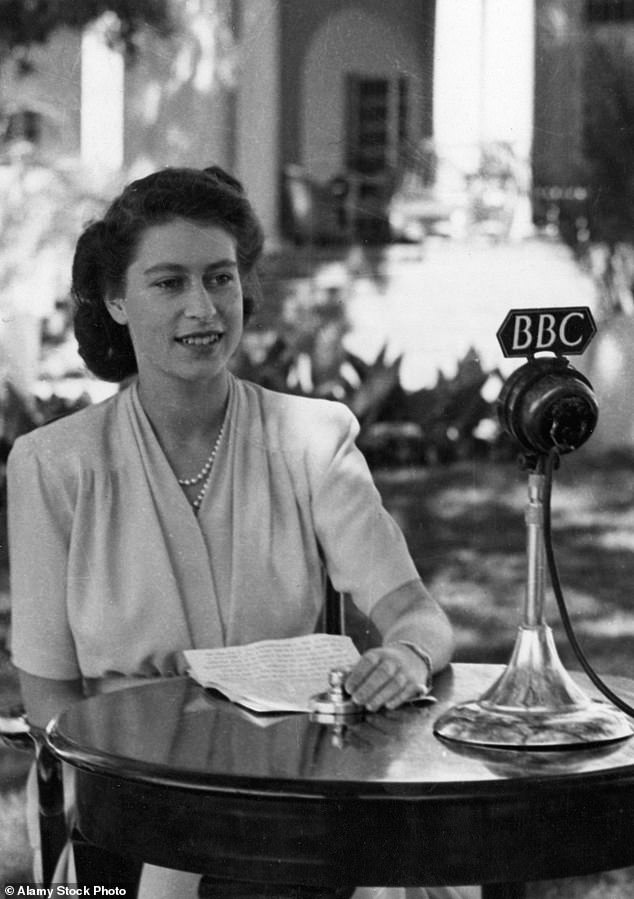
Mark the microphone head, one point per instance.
(547, 404)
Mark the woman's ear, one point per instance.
(117, 310)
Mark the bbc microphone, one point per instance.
(547, 404)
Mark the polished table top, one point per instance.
(196, 773)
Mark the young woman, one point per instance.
(193, 509)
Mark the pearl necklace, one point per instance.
(203, 475)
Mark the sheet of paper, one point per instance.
(273, 675)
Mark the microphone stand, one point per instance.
(535, 703)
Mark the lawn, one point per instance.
(465, 528)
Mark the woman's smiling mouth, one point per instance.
(208, 338)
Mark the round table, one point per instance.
(176, 776)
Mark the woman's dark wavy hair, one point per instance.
(107, 247)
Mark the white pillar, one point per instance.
(508, 73)
(102, 95)
(483, 77)
(257, 144)
(457, 84)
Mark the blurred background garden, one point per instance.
(420, 168)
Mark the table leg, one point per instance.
(53, 828)
(96, 867)
(504, 891)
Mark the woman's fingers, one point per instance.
(382, 678)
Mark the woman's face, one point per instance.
(183, 302)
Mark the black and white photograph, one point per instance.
(317, 449)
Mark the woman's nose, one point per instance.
(200, 303)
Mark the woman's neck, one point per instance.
(184, 411)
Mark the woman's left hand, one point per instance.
(386, 677)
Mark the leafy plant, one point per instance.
(437, 425)
(597, 221)
(609, 134)
(434, 425)
(27, 22)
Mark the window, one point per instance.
(376, 123)
(24, 125)
(601, 11)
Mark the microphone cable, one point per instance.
(552, 461)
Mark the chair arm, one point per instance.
(15, 730)
(17, 733)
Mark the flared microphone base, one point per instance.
(535, 705)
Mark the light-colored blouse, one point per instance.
(112, 573)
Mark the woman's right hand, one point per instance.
(386, 676)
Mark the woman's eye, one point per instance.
(167, 283)
(221, 279)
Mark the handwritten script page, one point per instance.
(273, 675)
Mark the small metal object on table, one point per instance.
(335, 706)
(175, 776)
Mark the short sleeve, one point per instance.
(365, 551)
(40, 520)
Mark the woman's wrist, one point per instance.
(425, 658)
